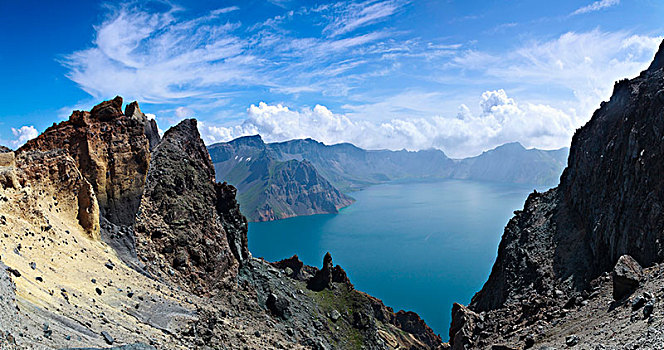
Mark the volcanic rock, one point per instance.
(187, 221)
(607, 207)
(329, 273)
(463, 327)
(112, 152)
(626, 276)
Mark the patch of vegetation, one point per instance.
(346, 301)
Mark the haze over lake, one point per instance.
(418, 246)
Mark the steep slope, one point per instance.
(554, 252)
(181, 223)
(512, 163)
(270, 189)
(195, 286)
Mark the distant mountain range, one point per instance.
(304, 177)
(270, 188)
(513, 163)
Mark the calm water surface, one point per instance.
(417, 246)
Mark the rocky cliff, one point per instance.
(553, 259)
(112, 151)
(110, 236)
(181, 224)
(270, 189)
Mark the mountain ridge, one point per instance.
(270, 188)
(255, 166)
(562, 258)
(161, 259)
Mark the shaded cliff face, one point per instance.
(608, 204)
(270, 189)
(614, 178)
(189, 227)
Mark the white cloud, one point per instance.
(154, 57)
(163, 58)
(596, 6)
(584, 65)
(23, 134)
(184, 112)
(501, 120)
(356, 15)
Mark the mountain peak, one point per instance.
(658, 61)
(108, 110)
(516, 145)
(251, 140)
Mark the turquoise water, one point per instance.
(417, 246)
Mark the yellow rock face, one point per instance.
(7, 170)
(7, 159)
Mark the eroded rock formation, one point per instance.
(112, 151)
(186, 223)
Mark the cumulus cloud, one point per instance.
(23, 134)
(596, 6)
(501, 120)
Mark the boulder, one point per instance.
(626, 276)
(278, 306)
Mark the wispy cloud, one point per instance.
(583, 64)
(387, 88)
(596, 6)
(154, 57)
(162, 57)
(355, 15)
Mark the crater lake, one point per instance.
(418, 246)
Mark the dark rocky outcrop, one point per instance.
(608, 204)
(463, 327)
(189, 223)
(328, 274)
(295, 268)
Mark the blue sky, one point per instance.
(461, 76)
